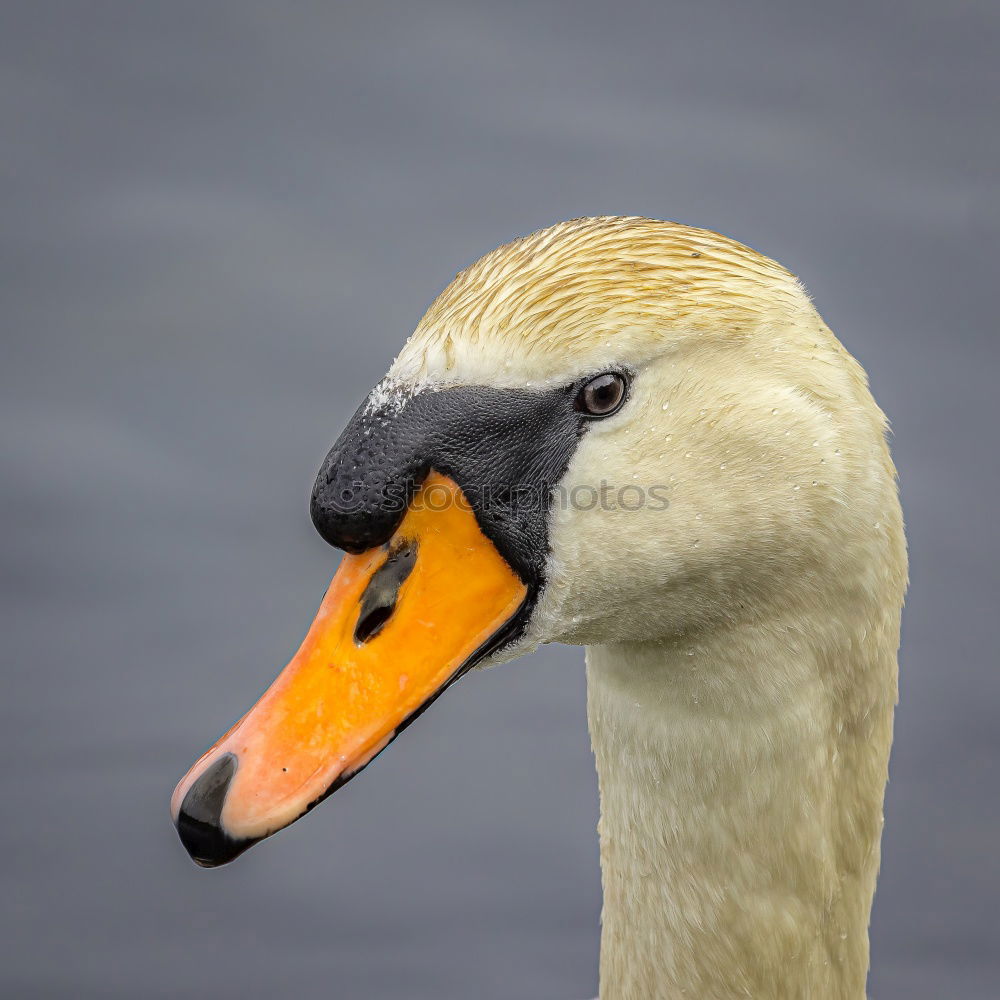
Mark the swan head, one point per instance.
(612, 430)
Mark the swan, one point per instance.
(639, 437)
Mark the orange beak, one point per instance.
(398, 624)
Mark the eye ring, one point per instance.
(602, 395)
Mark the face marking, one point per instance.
(505, 448)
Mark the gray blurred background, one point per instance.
(220, 222)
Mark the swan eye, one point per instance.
(603, 395)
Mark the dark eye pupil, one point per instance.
(603, 395)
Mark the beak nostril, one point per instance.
(370, 625)
(378, 602)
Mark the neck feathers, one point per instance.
(742, 778)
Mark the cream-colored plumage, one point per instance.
(742, 642)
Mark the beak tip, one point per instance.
(208, 846)
(199, 818)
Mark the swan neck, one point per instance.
(741, 781)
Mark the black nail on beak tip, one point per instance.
(199, 822)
